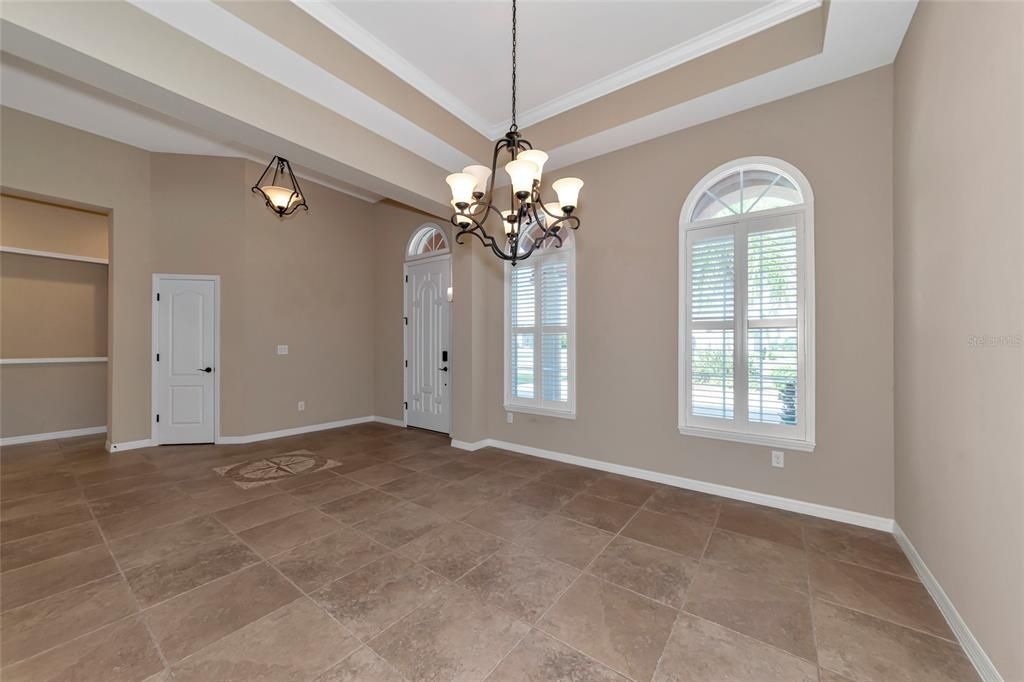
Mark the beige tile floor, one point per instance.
(410, 560)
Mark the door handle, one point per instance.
(443, 369)
(206, 369)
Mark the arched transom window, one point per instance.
(746, 346)
(429, 240)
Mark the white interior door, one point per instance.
(428, 350)
(185, 389)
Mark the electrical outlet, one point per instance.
(282, 350)
(778, 458)
(302, 406)
(508, 417)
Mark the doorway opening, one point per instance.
(428, 363)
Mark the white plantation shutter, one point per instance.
(746, 318)
(772, 311)
(540, 323)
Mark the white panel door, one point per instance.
(428, 375)
(186, 352)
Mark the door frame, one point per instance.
(446, 257)
(155, 346)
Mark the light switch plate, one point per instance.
(302, 406)
(282, 350)
(778, 458)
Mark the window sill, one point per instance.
(541, 411)
(749, 438)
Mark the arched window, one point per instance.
(746, 306)
(429, 240)
(540, 329)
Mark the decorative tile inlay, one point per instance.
(267, 470)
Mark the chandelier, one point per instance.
(528, 222)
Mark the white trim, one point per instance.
(390, 421)
(222, 31)
(740, 225)
(859, 37)
(299, 430)
(52, 435)
(979, 659)
(130, 445)
(761, 19)
(155, 348)
(799, 506)
(52, 254)
(49, 361)
(331, 16)
(540, 411)
(418, 234)
(749, 438)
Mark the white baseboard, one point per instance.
(130, 445)
(982, 663)
(810, 508)
(389, 421)
(53, 435)
(296, 431)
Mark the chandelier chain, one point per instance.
(514, 126)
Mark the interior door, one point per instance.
(185, 362)
(428, 376)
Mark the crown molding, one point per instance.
(764, 18)
(731, 32)
(336, 20)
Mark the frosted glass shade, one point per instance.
(481, 173)
(522, 174)
(537, 158)
(462, 185)
(568, 190)
(281, 197)
(460, 219)
(553, 209)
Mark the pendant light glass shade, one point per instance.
(537, 158)
(462, 185)
(522, 174)
(281, 190)
(568, 191)
(482, 174)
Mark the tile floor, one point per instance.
(414, 561)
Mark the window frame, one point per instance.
(536, 405)
(740, 226)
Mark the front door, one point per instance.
(428, 349)
(185, 392)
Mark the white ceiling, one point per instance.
(459, 53)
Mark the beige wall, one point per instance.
(30, 224)
(840, 136)
(47, 398)
(959, 251)
(304, 281)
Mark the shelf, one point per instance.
(48, 361)
(53, 254)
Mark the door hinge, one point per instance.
(407, 278)
(406, 405)
(406, 363)
(158, 417)
(158, 296)
(158, 357)
(406, 320)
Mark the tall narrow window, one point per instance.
(746, 306)
(540, 332)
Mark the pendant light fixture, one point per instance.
(281, 191)
(474, 201)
